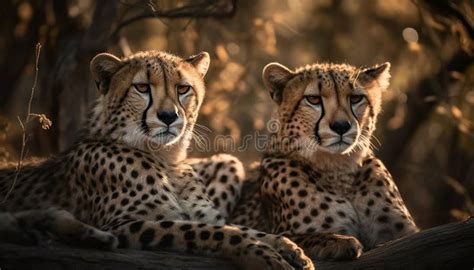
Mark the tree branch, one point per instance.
(449, 246)
(446, 9)
(205, 9)
(418, 110)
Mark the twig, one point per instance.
(449, 10)
(201, 10)
(25, 124)
(37, 54)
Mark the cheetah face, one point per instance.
(327, 107)
(151, 97)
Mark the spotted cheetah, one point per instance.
(128, 175)
(319, 183)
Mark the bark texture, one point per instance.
(449, 246)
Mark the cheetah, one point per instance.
(126, 183)
(319, 183)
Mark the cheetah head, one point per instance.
(148, 98)
(326, 108)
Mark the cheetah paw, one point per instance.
(340, 247)
(293, 254)
(263, 257)
(99, 239)
(12, 232)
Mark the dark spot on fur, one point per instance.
(136, 226)
(166, 241)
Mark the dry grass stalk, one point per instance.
(43, 120)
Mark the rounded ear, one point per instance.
(276, 76)
(103, 66)
(201, 62)
(378, 73)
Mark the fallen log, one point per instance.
(449, 246)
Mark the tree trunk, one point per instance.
(73, 80)
(446, 247)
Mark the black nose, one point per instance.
(167, 117)
(340, 126)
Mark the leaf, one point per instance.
(456, 112)
(428, 99)
(221, 53)
(44, 121)
(456, 185)
(459, 214)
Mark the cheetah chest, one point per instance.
(299, 202)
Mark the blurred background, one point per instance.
(425, 134)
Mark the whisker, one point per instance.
(377, 140)
(202, 128)
(200, 132)
(198, 138)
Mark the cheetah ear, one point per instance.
(103, 66)
(379, 74)
(276, 76)
(201, 62)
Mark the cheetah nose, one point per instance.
(340, 126)
(167, 117)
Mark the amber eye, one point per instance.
(183, 89)
(314, 100)
(356, 98)
(141, 87)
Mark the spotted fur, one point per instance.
(128, 174)
(319, 183)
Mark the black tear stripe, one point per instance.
(316, 131)
(144, 125)
(192, 89)
(180, 78)
(196, 101)
(371, 109)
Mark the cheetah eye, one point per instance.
(356, 98)
(183, 89)
(314, 100)
(141, 87)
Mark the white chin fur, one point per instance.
(167, 136)
(166, 139)
(339, 147)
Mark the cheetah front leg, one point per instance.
(223, 177)
(223, 241)
(203, 210)
(283, 244)
(319, 246)
(192, 196)
(36, 226)
(381, 210)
